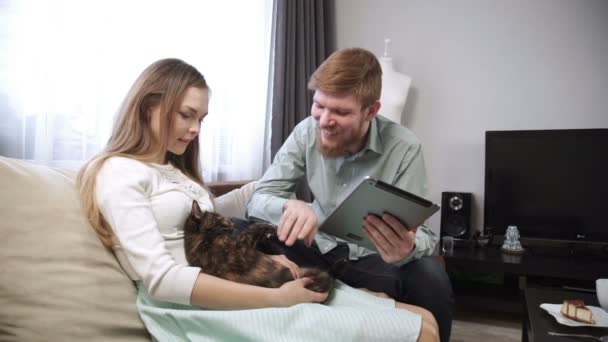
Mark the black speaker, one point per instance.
(456, 214)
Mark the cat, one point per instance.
(211, 243)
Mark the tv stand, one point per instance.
(573, 249)
(506, 274)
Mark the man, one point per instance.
(342, 142)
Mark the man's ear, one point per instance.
(372, 110)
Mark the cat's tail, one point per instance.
(266, 272)
(269, 273)
(322, 280)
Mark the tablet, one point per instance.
(373, 196)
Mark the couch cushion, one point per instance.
(57, 282)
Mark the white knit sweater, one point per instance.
(147, 205)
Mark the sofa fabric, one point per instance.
(57, 281)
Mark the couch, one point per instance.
(57, 281)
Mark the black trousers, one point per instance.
(421, 282)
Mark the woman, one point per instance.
(137, 195)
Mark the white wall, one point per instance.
(482, 65)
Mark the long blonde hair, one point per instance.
(162, 84)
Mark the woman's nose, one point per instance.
(195, 128)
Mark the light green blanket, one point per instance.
(348, 315)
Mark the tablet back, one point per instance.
(375, 197)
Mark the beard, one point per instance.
(328, 151)
(340, 147)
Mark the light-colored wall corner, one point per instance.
(482, 65)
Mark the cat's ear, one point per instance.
(196, 210)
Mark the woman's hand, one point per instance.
(296, 272)
(295, 292)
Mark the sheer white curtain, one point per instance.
(66, 66)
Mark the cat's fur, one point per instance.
(211, 244)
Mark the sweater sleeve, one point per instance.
(123, 188)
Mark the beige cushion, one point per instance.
(57, 282)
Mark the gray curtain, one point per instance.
(304, 35)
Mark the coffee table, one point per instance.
(537, 322)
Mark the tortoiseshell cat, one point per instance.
(210, 244)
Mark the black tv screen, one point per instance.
(551, 184)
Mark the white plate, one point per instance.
(599, 316)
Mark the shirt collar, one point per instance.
(374, 140)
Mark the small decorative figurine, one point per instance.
(512, 244)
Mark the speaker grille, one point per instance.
(456, 214)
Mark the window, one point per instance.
(66, 66)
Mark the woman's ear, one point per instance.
(153, 116)
(149, 111)
(148, 105)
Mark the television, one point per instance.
(551, 184)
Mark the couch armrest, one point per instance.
(220, 188)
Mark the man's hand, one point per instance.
(298, 222)
(393, 240)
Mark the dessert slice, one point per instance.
(575, 309)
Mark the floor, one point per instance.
(485, 326)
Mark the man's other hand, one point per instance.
(393, 240)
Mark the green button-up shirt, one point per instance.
(392, 154)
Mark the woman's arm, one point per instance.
(216, 293)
